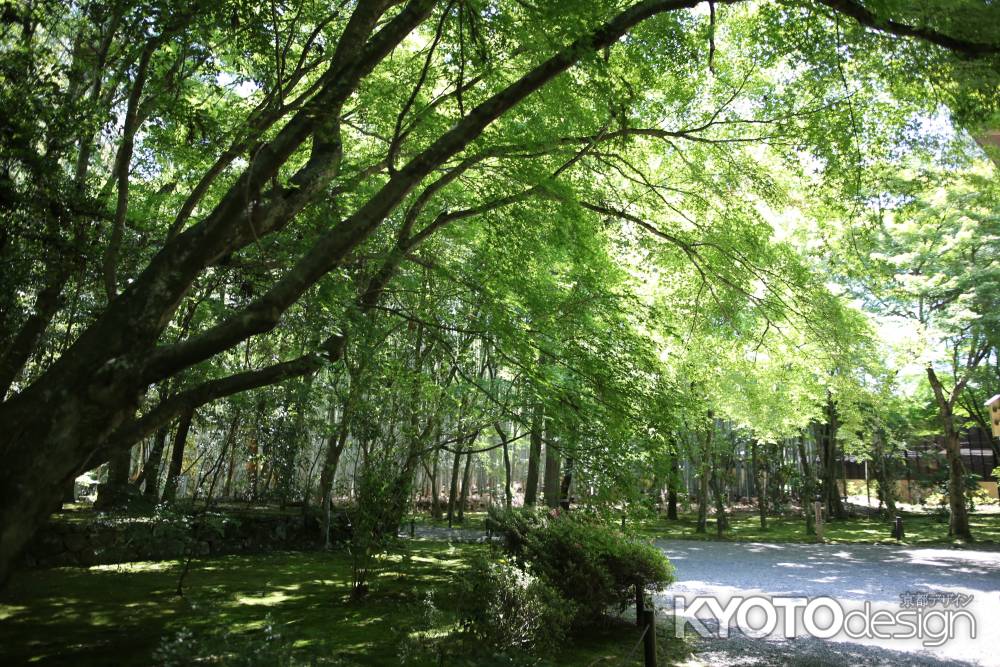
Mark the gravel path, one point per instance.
(853, 574)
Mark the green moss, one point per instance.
(122, 614)
(918, 529)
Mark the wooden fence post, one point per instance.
(649, 639)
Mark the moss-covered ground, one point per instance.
(745, 526)
(263, 609)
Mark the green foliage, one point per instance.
(262, 648)
(593, 566)
(514, 526)
(373, 522)
(511, 610)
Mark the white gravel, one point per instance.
(851, 573)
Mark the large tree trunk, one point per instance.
(551, 490)
(177, 457)
(113, 494)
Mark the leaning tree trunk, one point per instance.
(177, 457)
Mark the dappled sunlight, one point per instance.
(265, 600)
(303, 594)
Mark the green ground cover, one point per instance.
(130, 615)
(745, 526)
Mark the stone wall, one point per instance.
(102, 539)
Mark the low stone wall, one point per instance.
(103, 539)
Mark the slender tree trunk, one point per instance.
(704, 474)
(959, 524)
(151, 471)
(567, 483)
(760, 472)
(551, 489)
(456, 462)
(227, 490)
(177, 457)
(808, 486)
(334, 448)
(508, 496)
(719, 494)
(672, 489)
(702, 502)
(466, 480)
(884, 485)
(436, 486)
(534, 457)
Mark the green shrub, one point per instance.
(514, 526)
(593, 565)
(589, 562)
(506, 608)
